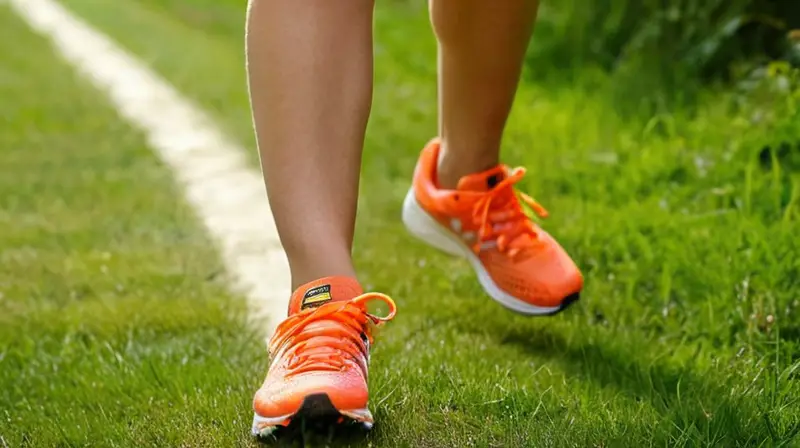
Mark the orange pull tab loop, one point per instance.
(370, 296)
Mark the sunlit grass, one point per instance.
(687, 233)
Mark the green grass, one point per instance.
(687, 334)
(113, 316)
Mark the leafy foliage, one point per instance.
(656, 46)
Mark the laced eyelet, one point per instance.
(500, 217)
(354, 324)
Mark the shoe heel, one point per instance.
(420, 224)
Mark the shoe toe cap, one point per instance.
(347, 390)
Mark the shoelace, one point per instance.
(501, 218)
(308, 351)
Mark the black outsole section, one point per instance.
(318, 418)
(318, 406)
(569, 300)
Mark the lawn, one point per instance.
(113, 314)
(116, 328)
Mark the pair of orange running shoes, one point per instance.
(320, 353)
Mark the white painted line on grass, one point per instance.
(227, 194)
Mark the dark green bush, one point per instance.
(668, 42)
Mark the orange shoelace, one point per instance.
(331, 344)
(501, 218)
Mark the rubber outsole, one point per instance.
(316, 414)
(566, 302)
(423, 226)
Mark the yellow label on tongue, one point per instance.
(316, 296)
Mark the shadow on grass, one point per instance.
(693, 408)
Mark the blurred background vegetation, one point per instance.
(663, 52)
(690, 37)
(656, 60)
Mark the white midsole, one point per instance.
(422, 225)
(261, 422)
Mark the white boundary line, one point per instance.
(226, 193)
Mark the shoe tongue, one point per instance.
(322, 291)
(483, 181)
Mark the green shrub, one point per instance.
(660, 46)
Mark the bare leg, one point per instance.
(481, 50)
(310, 73)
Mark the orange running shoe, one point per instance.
(320, 355)
(517, 263)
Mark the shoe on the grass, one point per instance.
(517, 263)
(319, 357)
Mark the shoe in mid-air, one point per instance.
(517, 263)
